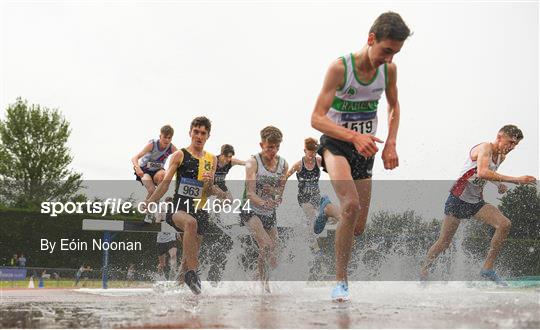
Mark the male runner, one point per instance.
(80, 272)
(265, 181)
(309, 196)
(148, 163)
(225, 163)
(346, 112)
(466, 199)
(194, 168)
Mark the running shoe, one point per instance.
(320, 221)
(192, 280)
(491, 275)
(149, 218)
(341, 292)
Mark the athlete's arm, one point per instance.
(176, 159)
(483, 157)
(220, 194)
(173, 149)
(135, 159)
(235, 161)
(208, 177)
(295, 168)
(282, 182)
(501, 188)
(209, 181)
(389, 154)
(251, 177)
(364, 143)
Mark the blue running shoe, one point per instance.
(341, 292)
(320, 221)
(491, 275)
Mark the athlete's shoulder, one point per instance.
(149, 145)
(391, 73)
(251, 163)
(483, 148)
(213, 158)
(210, 155)
(177, 156)
(283, 162)
(486, 146)
(391, 68)
(253, 159)
(337, 67)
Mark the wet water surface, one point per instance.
(290, 305)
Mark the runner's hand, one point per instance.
(365, 144)
(139, 172)
(526, 179)
(208, 177)
(390, 157)
(270, 204)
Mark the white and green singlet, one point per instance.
(355, 104)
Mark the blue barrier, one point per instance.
(12, 274)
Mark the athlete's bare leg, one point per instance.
(272, 257)
(363, 187)
(332, 212)
(490, 215)
(161, 263)
(265, 243)
(148, 184)
(172, 263)
(190, 239)
(310, 213)
(449, 226)
(340, 173)
(158, 177)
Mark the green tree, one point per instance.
(522, 206)
(34, 156)
(404, 231)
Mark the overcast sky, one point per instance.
(120, 70)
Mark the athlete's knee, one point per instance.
(190, 226)
(265, 245)
(505, 224)
(443, 243)
(158, 177)
(351, 209)
(151, 188)
(271, 244)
